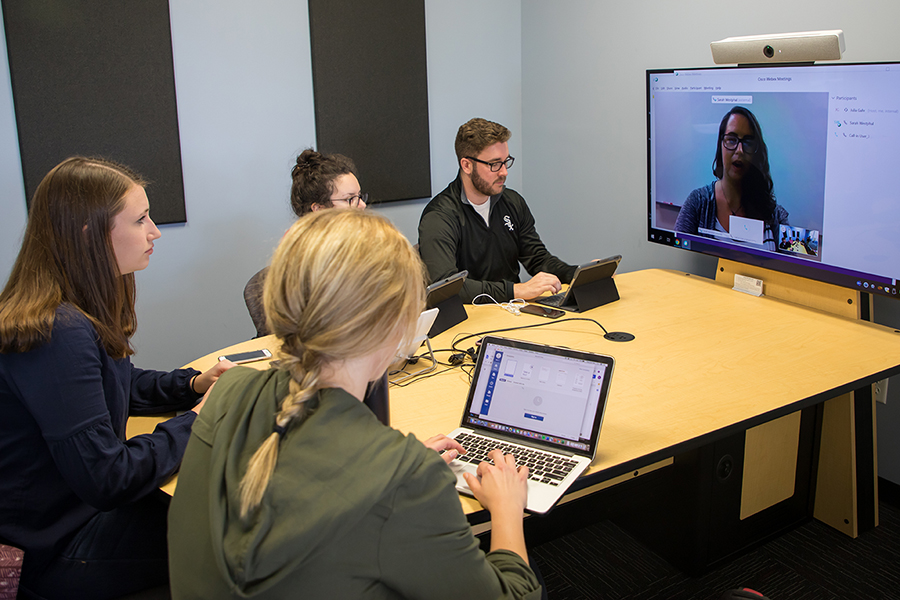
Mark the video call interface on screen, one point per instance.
(831, 132)
(536, 395)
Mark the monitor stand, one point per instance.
(847, 482)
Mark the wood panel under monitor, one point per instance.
(836, 502)
(836, 486)
(770, 464)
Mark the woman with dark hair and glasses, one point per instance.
(324, 181)
(743, 185)
(319, 181)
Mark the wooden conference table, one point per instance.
(718, 389)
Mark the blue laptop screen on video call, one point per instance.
(537, 395)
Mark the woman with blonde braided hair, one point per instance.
(291, 487)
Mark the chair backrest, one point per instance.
(376, 399)
(377, 393)
(253, 292)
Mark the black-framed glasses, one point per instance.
(494, 166)
(749, 143)
(354, 200)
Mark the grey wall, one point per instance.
(565, 76)
(12, 187)
(245, 110)
(584, 120)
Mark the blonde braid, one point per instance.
(304, 385)
(323, 265)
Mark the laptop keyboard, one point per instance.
(554, 300)
(542, 466)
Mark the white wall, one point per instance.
(12, 187)
(584, 106)
(242, 77)
(584, 119)
(474, 70)
(245, 109)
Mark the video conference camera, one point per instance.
(804, 46)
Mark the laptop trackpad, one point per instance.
(459, 467)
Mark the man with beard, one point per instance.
(479, 225)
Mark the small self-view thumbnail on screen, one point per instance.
(798, 241)
(797, 161)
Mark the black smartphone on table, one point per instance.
(542, 311)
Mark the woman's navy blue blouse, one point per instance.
(63, 452)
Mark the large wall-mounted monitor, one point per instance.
(830, 135)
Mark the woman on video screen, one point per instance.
(743, 185)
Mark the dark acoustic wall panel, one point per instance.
(95, 77)
(371, 91)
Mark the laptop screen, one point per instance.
(544, 394)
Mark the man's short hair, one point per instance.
(477, 134)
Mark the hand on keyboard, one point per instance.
(543, 467)
(500, 484)
(447, 447)
(537, 285)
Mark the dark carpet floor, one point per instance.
(812, 562)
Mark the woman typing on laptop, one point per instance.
(292, 488)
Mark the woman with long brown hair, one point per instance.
(743, 186)
(291, 487)
(80, 499)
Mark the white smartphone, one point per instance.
(240, 358)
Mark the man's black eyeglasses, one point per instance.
(749, 143)
(495, 165)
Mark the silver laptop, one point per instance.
(544, 404)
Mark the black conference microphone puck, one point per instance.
(618, 336)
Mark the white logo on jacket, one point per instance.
(508, 222)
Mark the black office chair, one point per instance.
(253, 292)
(159, 593)
(377, 399)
